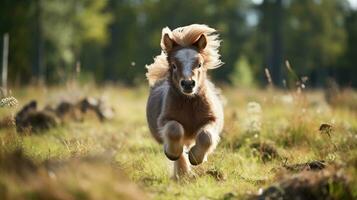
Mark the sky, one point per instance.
(252, 18)
(352, 2)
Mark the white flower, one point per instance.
(287, 99)
(8, 102)
(254, 108)
(253, 122)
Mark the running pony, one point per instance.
(184, 110)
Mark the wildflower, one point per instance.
(253, 121)
(254, 108)
(8, 102)
(287, 99)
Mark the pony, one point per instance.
(184, 110)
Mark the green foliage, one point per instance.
(67, 25)
(316, 34)
(93, 21)
(242, 75)
(114, 39)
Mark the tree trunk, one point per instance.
(276, 58)
(40, 64)
(5, 56)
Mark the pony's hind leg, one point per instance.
(173, 133)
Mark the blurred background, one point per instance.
(112, 40)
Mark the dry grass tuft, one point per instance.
(87, 159)
(84, 178)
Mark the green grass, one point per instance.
(120, 159)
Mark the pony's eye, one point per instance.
(173, 66)
(199, 65)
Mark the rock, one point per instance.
(310, 185)
(29, 118)
(102, 111)
(68, 111)
(31, 106)
(230, 196)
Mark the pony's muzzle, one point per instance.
(187, 85)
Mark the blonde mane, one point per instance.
(185, 37)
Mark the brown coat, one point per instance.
(166, 103)
(184, 108)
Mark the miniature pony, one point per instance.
(184, 110)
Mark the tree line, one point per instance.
(112, 40)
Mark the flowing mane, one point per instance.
(185, 37)
(184, 110)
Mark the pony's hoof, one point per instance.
(195, 157)
(174, 148)
(171, 157)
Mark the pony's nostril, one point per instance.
(182, 83)
(187, 84)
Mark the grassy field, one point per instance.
(266, 132)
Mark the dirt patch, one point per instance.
(147, 181)
(312, 165)
(265, 151)
(252, 180)
(217, 174)
(325, 184)
(230, 196)
(17, 162)
(7, 122)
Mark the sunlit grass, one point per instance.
(289, 122)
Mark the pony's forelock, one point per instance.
(185, 37)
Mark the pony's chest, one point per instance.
(192, 116)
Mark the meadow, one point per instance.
(270, 137)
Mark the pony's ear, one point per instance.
(167, 44)
(201, 43)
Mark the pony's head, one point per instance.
(186, 64)
(187, 53)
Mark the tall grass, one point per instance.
(119, 159)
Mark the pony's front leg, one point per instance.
(181, 166)
(206, 142)
(173, 133)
